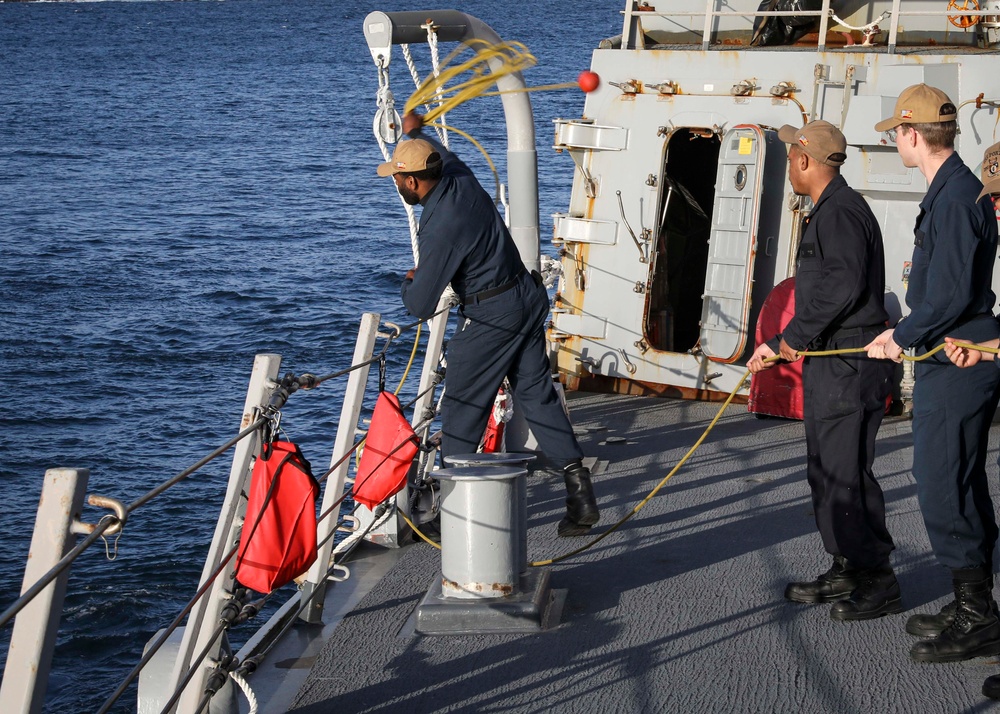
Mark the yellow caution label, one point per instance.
(746, 145)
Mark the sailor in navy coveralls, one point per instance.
(954, 249)
(839, 292)
(463, 240)
(967, 357)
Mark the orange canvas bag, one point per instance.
(278, 541)
(389, 450)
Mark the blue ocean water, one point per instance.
(183, 186)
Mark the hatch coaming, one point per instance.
(602, 323)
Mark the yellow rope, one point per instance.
(413, 354)
(417, 531)
(507, 58)
(698, 443)
(493, 168)
(918, 358)
(732, 395)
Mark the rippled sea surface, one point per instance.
(184, 185)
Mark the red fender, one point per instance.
(278, 540)
(389, 450)
(777, 391)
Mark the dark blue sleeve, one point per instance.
(949, 281)
(440, 259)
(842, 278)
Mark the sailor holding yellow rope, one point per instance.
(949, 293)
(839, 288)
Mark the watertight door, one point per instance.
(725, 308)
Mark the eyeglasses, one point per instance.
(891, 134)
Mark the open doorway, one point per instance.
(687, 193)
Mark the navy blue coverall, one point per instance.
(839, 294)
(464, 241)
(949, 293)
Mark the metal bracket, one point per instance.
(630, 86)
(628, 364)
(642, 250)
(664, 89)
(120, 514)
(744, 88)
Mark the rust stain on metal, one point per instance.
(503, 588)
(620, 385)
(493, 589)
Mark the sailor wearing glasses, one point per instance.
(949, 293)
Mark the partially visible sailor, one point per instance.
(967, 357)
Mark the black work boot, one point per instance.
(932, 625)
(581, 506)
(877, 594)
(975, 631)
(835, 584)
(991, 687)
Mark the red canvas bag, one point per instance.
(389, 450)
(278, 541)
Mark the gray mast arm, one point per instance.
(384, 29)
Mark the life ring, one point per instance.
(963, 21)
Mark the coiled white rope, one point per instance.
(247, 691)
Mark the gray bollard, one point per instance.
(479, 548)
(481, 588)
(521, 492)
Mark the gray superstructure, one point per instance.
(682, 219)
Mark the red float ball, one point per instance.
(588, 80)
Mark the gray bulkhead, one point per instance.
(681, 218)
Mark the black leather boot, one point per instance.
(581, 506)
(991, 687)
(835, 584)
(932, 625)
(975, 631)
(877, 594)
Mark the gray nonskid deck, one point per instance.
(682, 609)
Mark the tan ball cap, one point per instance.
(410, 156)
(819, 139)
(920, 104)
(991, 171)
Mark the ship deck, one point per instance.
(680, 610)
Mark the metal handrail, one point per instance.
(112, 523)
(825, 14)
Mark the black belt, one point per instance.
(492, 292)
